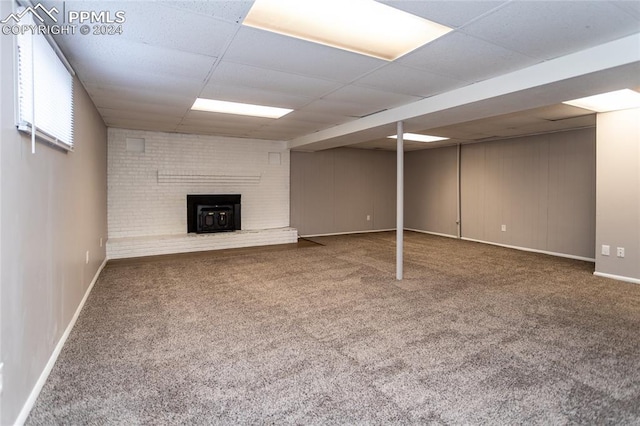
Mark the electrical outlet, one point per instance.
(605, 250)
(86, 258)
(503, 228)
(620, 251)
(100, 241)
(368, 217)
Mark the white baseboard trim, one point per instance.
(617, 277)
(551, 253)
(431, 233)
(347, 233)
(35, 392)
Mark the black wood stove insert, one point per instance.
(213, 213)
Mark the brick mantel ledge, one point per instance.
(151, 245)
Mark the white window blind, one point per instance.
(45, 90)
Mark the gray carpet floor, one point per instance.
(324, 334)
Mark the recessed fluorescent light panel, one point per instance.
(224, 107)
(418, 138)
(612, 101)
(361, 26)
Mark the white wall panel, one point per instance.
(618, 193)
(333, 191)
(541, 188)
(430, 190)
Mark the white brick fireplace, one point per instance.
(151, 173)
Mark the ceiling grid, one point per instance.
(172, 52)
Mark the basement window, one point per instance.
(45, 89)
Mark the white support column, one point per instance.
(458, 194)
(400, 201)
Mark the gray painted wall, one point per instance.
(618, 193)
(54, 209)
(333, 191)
(541, 187)
(430, 190)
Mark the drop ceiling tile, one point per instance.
(298, 123)
(510, 120)
(559, 112)
(375, 144)
(450, 13)
(101, 92)
(464, 131)
(154, 24)
(214, 118)
(140, 82)
(275, 134)
(466, 134)
(155, 126)
(458, 133)
(484, 127)
(375, 100)
(401, 79)
(346, 109)
(559, 125)
(233, 11)
(632, 7)
(109, 54)
(148, 79)
(282, 123)
(278, 52)
(169, 119)
(295, 126)
(238, 75)
(117, 103)
(325, 119)
(465, 58)
(509, 132)
(538, 120)
(212, 130)
(253, 96)
(569, 26)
